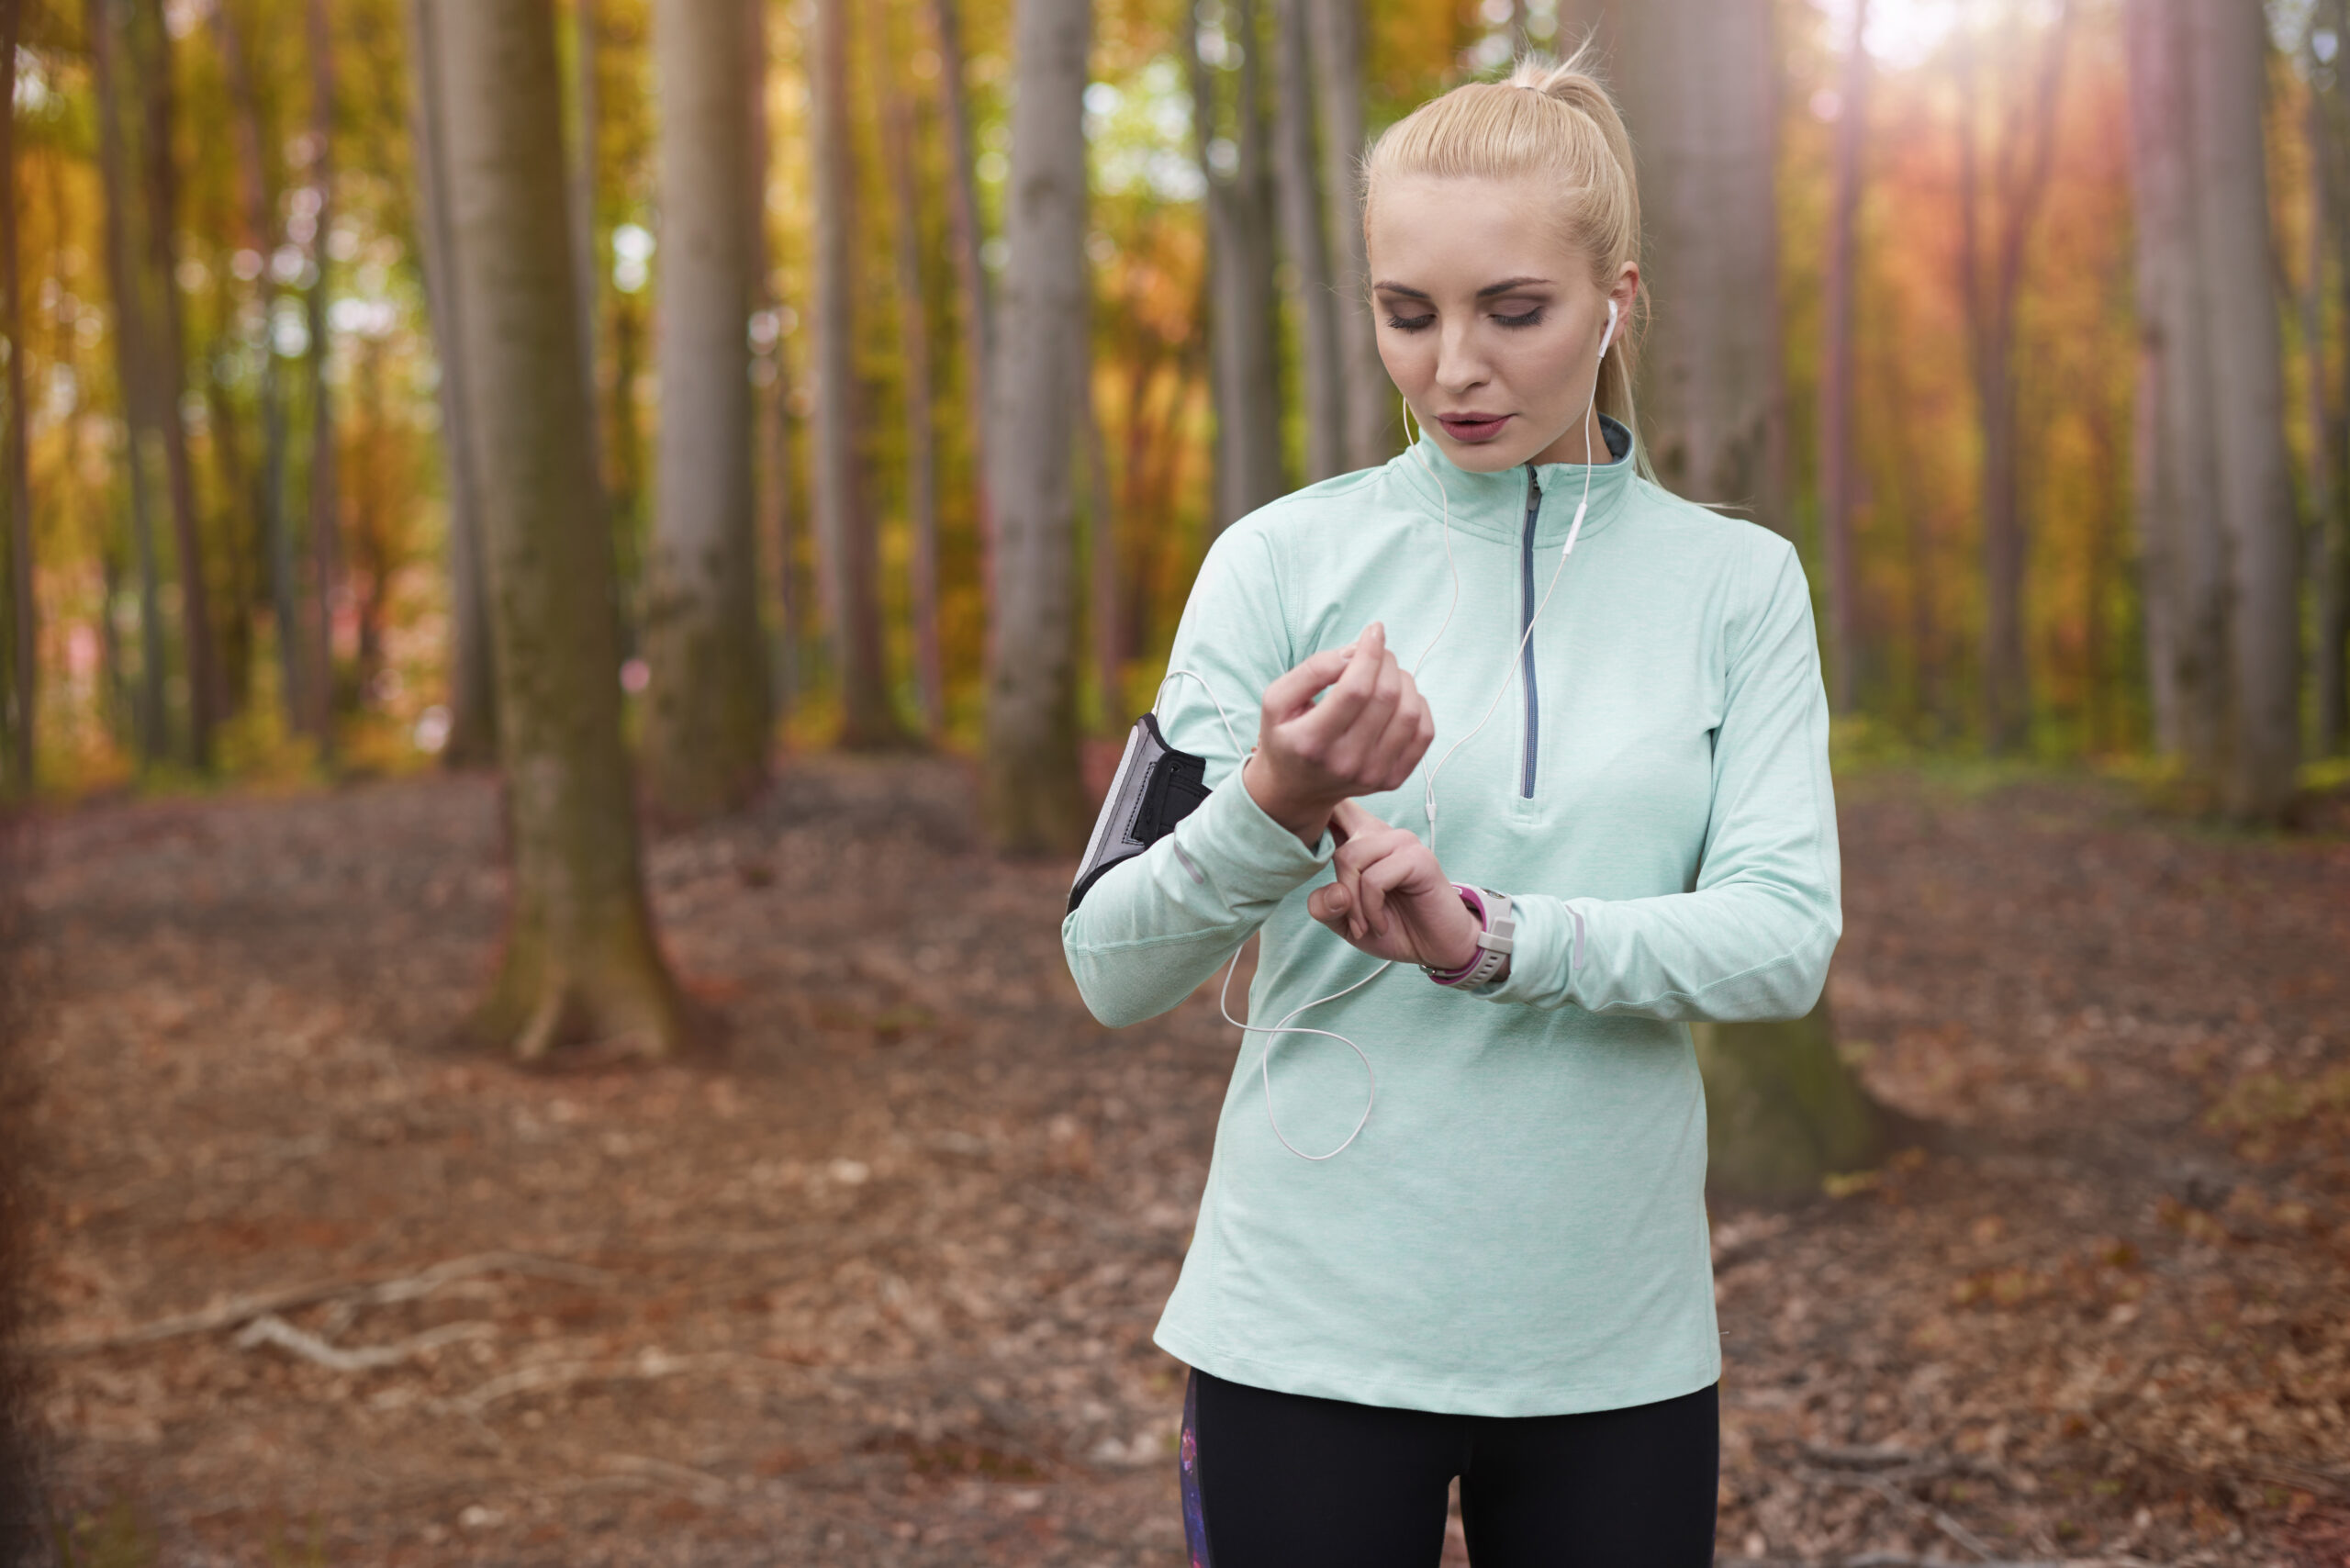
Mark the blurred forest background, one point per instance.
(1968, 310)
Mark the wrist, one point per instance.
(1307, 818)
(1495, 923)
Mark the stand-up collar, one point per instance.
(1493, 506)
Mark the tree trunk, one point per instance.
(119, 64)
(1697, 93)
(1836, 473)
(587, 252)
(318, 687)
(1370, 404)
(2227, 55)
(473, 687)
(1246, 331)
(898, 143)
(261, 233)
(2332, 654)
(23, 732)
(1990, 286)
(2184, 571)
(2158, 226)
(1304, 236)
(1103, 601)
(1033, 799)
(1925, 642)
(580, 961)
(167, 364)
(970, 276)
(2323, 496)
(588, 257)
(775, 418)
(706, 719)
(1782, 1108)
(844, 525)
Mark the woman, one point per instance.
(1505, 1275)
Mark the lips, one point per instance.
(1474, 427)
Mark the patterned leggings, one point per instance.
(1285, 1481)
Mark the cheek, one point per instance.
(1552, 374)
(1409, 362)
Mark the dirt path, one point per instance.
(877, 1287)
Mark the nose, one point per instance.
(1460, 367)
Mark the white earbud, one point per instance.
(1606, 336)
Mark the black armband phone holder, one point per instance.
(1156, 787)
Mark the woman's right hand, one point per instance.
(1364, 737)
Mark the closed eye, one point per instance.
(1530, 318)
(1410, 323)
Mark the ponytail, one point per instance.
(1555, 122)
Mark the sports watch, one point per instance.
(1497, 928)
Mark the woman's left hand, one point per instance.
(1392, 899)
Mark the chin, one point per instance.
(1488, 457)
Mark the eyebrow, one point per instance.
(1504, 286)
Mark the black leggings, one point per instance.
(1285, 1481)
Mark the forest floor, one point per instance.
(874, 1284)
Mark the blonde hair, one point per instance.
(1554, 122)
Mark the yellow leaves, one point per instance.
(2001, 1288)
(2269, 1102)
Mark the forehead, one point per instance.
(1440, 233)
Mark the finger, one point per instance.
(1331, 717)
(1351, 733)
(1347, 868)
(1291, 691)
(1369, 888)
(1351, 820)
(1329, 906)
(1402, 742)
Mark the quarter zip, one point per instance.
(1525, 630)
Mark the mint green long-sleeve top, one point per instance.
(1520, 1228)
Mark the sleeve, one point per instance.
(1752, 941)
(1157, 925)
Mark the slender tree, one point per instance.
(257, 197)
(472, 683)
(775, 417)
(898, 133)
(1990, 279)
(1033, 799)
(2331, 655)
(970, 276)
(168, 366)
(2175, 479)
(1836, 468)
(326, 504)
(580, 960)
(706, 721)
(23, 732)
(1304, 236)
(1246, 364)
(844, 524)
(2324, 503)
(1103, 622)
(2227, 55)
(1337, 45)
(120, 102)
